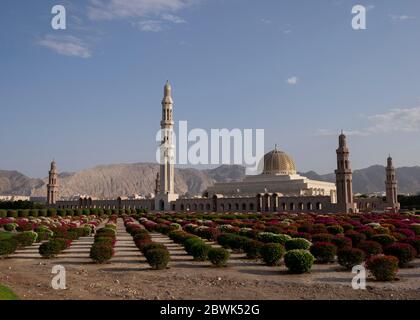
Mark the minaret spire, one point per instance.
(391, 185)
(166, 192)
(344, 177)
(52, 186)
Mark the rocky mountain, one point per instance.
(372, 179)
(111, 181)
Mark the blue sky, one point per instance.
(91, 94)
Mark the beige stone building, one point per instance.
(279, 188)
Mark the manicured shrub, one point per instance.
(190, 243)
(298, 261)
(402, 251)
(7, 247)
(50, 249)
(44, 235)
(101, 253)
(26, 238)
(324, 252)
(297, 243)
(342, 242)
(384, 239)
(383, 268)
(253, 248)
(415, 243)
(350, 257)
(335, 229)
(106, 232)
(218, 256)
(356, 237)
(272, 253)
(322, 237)
(151, 246)
(268, 237)
(10, 226)
(158, 259)
(63, 244)
(370, 247)
(104, 240)
(200, 251)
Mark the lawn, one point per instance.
(7, 294)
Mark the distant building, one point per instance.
(278, 189)
(13, 198)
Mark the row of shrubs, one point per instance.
(157, 255)
(52, 212)
(10, 242)
(102, 249)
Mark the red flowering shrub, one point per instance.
(355, 237)
(323, 252)
(370, 247)
(341, 242)
(402, 251)
(350, 257)
(407, 233)
(414, 242)
(383, 268)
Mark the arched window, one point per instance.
(292, 206)
(309, 206)
(236, 206)
(283, 206)
(301, 206)
(243, 206)
(318, 206)
(251, 206)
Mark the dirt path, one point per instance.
(128, 276)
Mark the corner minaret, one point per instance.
(391, 186)
(166, 192)
(344, 177)
(52, 186)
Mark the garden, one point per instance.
(274, 248)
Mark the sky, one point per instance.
(91, 94)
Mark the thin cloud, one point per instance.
(66, 45)
(401, 17)
(151, 26)
(395, 120)
(117, 9)
(293, 80)
(172, 18)
(266, 21)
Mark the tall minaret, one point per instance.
(344, 177)
(52, 186)
(167, 154)
(391, 186)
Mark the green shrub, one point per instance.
(50, 249)
(384, 239)
(268, 237)
(299, 261)
(322, 237)
(10, 226)
(104, 240)
(44, 235)
(350, 257)
(298, 243)
(383, 268)
(218, 256)
(26, 238)
(101, 252)
(200, 251)
(272, 253)
(158, 258)
(151, 246)
(188, 244)
(253, 248)
(7, 247)
(324, 252)
(402, 251)
(62, 243)
(335, 229)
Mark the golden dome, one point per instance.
(279, 163)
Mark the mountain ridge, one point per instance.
(113, 180)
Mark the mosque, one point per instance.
(279, 188)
